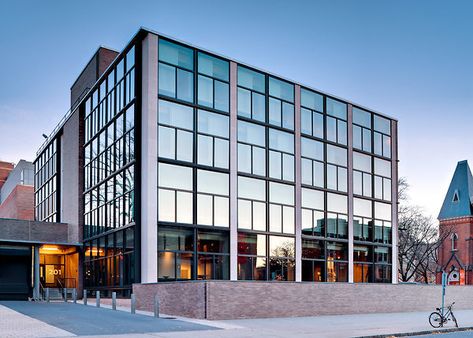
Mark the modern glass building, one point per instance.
(193, 166)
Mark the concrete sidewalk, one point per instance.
(361, 325)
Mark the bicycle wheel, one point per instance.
(454, 319)
(435, 320)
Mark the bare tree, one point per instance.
(419, 240)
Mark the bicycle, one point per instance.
(437, 319)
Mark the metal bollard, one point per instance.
(74, 295)
(84, 297)
(47, 295)
(133, 303)
(97, 298)
(156, 306)
(114, 300)
(65, 295)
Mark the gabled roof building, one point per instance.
(456, 225)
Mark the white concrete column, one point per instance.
(149, 161)
(350, 193)
(233, 174)
(298, 179)
(394, 192)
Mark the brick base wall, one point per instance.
(230, 300)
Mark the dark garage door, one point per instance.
(15, 272)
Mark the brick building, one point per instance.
(17, 190)
(456, 225)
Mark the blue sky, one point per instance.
(412, 60)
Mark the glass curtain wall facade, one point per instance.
(193, 177)
(193, 164)
(46, 179)
(109, 171)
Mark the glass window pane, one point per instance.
(185, 141)
(275, 218)
(281, 89)
(280, 140)
(166, 142)
(331, 177)
(184, 207)
(213, 66)
(357, 183)
(306, 171)
(362, 117)
(251, 79)
(176, 54)
(342, 132)
(357, 138)
(221, 211)
(382, 125)
(251, 188)
(176, 115)
(204, 209)
(221, 156)
(362, 207)
(244, 102)
(382, 167)
(259, 163)
(288, 220)
(313, 199)
(166, 263)
(288, 115)
(205, 96)
(336, 108)
(259, 107)
(259, 216)
(205, 150)
(167, 205)
(386, 146)
(382, 211)
(288, 167)
(222, 99)
(336, 155)
(378, 146)
(337, 203)
(281, 246)
(331, 129)
(244, 158)
(312, 100)
(212, 182)
(342, 179)
(167, 80)
(174, 176)
(306, 121)
(212, 123)
(185, 85)
(281, 193)
(319, 175)
(251, 133)
(312, 149)
(274, 111)
(318, 125)
(366, 140)
(275, 165)
(361, 162)
(244, 214)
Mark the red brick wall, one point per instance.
(464, 247)
(19, 204)
(219, 300)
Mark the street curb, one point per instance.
(419, 333)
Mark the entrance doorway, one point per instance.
(58, 266)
